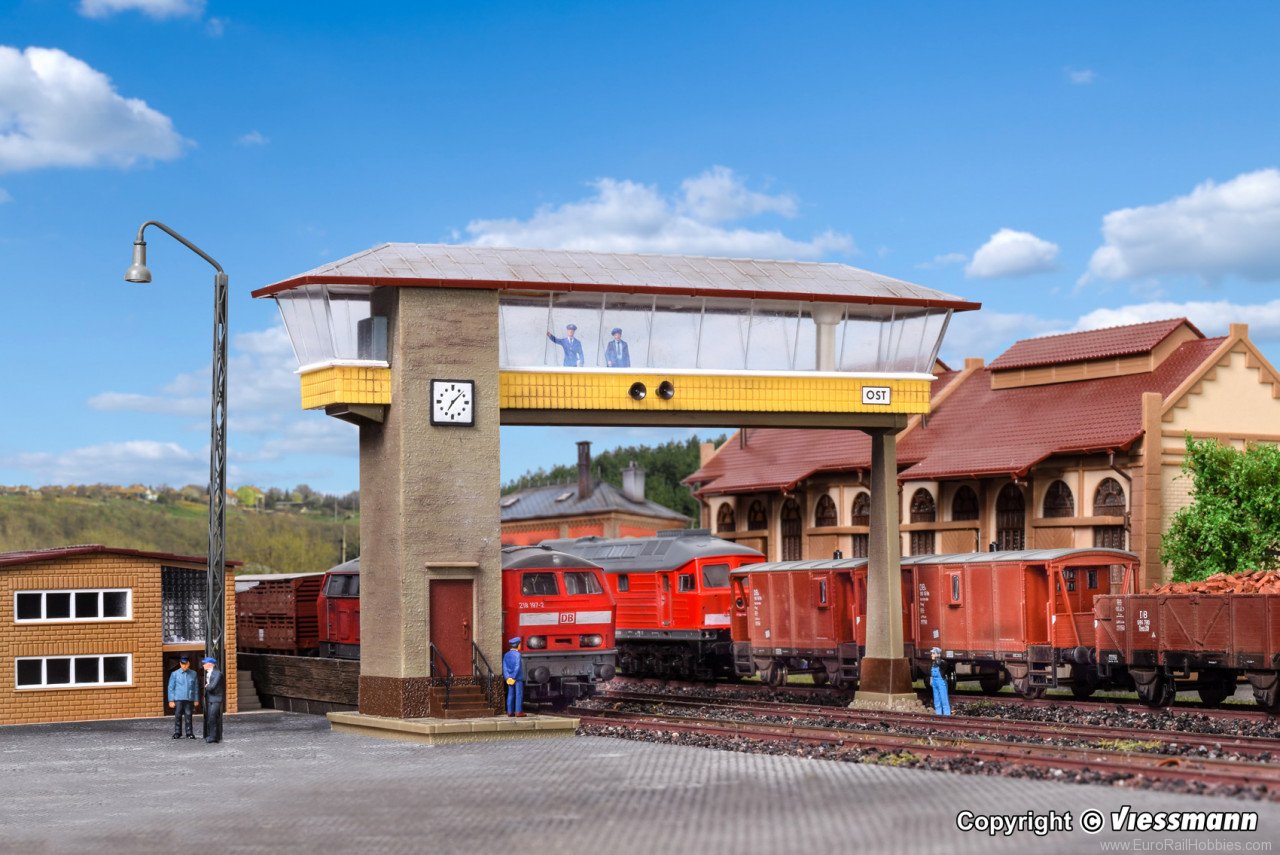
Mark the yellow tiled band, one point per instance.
(710, 393)
(345, 384)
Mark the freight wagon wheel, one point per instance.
(1158, 693)
(1216, 688)
(1032, 693)
(991, 684)
(821, 678)
(775, 675)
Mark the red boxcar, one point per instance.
(806, 617)
(338, 609)
(1165, 643)
(277, 613)
(561, 607)
(1023, 616)
(673, 598)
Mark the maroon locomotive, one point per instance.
(338, 609)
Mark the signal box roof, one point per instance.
(543, 270)
(666, 551)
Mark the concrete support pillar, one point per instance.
(885, 681)
(429, 499)
(826, 319)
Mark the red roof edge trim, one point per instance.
(34, 556)
(506, 285)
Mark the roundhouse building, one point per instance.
(92, 632)
(1066, 440)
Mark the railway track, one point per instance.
(1143, 738)
(844, 741)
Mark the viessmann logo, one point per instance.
(568, 617)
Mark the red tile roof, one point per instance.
(11, 559)
(1083, 346)
(975, 431)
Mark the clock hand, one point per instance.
(454, 401)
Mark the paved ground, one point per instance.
(285, 783)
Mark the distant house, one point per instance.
(92, 632)
(1066, 440)
(590, 506)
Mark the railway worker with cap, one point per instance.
(938, 683)
(573, 357)
(184, 691)
(513, 673)
(616, 352)
(215, 695)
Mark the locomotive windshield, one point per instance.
(539, 584)
(343, 585)
(581, 583)
(715, 575)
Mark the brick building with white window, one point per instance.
(1067, 440)
(92, 632)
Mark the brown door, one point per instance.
(451, 611)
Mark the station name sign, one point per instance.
(877, 396)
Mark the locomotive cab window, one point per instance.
(715, 576)
(343, 585)
(954, 579)
(685, 583)
(581, 583)
(624, 583)
(539, 584)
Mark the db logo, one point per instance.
(567, 617)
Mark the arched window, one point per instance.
(924, 510)
(1011, 519)
(1108, 501)
(861, 513)
(791, 525)
(825, 512)
(1058, 501)
(964, 504)
(724, 517)
(757, 516)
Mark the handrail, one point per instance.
(477, 659)
(448, 672)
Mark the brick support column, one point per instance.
(1146, 504)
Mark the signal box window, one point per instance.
(715, 576)
(539, 584)
(686, 583)
(581, 583)
(624, 583)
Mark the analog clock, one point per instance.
(453, 402)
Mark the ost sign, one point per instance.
(877, 396)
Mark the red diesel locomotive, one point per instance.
(672, 592)
(338, 611)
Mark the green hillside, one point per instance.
(280, 542)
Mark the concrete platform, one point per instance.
(285, 783)
(439, 731)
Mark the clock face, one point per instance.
(453, 402)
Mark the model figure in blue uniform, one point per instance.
(513, 673)
(616, 352)
(184, 694)
(938, 683)
(573, 357)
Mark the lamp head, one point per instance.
(138, 271)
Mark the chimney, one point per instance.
(585, 484)
(633, 482)
(705, 452)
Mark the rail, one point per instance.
(436, 655)
(483, 670)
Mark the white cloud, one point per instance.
(158, 9)
(253, 138)
(5, 196)
(1217, 230)
(137, 461)
(1081, 76)
(627, 216)
(1211, 316)
(944, 260)
(215, 27)
(1012, 253)
(57, 111)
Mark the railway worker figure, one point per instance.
(938, 683)
(616, 352)
(513, 673)
(572, 347)
(184, 691)
(215, 695)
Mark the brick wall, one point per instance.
(140, 636)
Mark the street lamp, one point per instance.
(215, 600)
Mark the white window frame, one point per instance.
(128, 592)
(44, 672)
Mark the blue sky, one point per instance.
(1069, 166)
